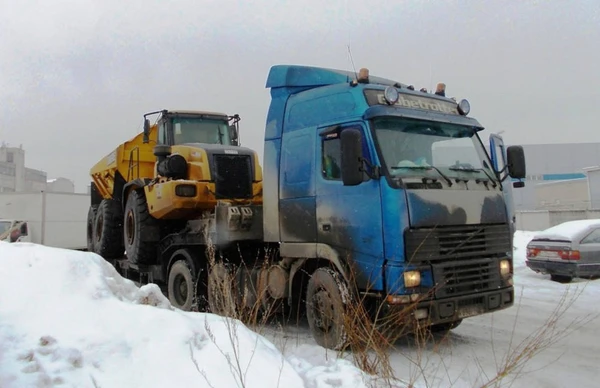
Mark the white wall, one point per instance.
(544, 219)
(594, 188)
(568, 194)
(60, 185)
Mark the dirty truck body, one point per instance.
(372, 192)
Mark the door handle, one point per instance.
(326, 227)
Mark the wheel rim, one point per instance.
(180, 290)
(323, 311)
(129, 227)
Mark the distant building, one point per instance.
(60, 185)
(14, 176)
(556, 175)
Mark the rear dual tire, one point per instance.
(105, 229)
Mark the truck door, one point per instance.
(348, 217)
(498, 156)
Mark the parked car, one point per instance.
(566, 251)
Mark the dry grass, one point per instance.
(373, 337)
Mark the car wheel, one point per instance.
(561, 278)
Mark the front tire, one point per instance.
(327, 299)
(141, 231)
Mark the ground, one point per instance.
(68, 319)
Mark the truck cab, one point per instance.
(393, 187)
(14, 231)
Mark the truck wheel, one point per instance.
(91, 218)
(141, 231)
(181, 286)
(108, 232)
(326, 302)
(221, 293)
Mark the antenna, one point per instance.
(430, 76)
(352, 62)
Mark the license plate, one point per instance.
(469, 311)
(548, 254)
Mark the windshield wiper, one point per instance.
(425, 168)
(473, 169)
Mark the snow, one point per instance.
(68, 317)
(567, 230)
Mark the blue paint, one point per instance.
(394, 275)
(353, 214)
(364, 224)
(563, 177)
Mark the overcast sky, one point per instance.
(77, 76)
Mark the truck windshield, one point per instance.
(4, 226)
(197, 130)
(413, 147)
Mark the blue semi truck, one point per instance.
(373, 192)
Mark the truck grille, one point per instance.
(457, 242)
(465, 277)
(233, 176)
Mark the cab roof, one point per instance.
(306, 76)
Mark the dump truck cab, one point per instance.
(185, 127)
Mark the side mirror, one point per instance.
(516, 162)
(351, 142)
(233, 134)
(146, 131)
(24, 229)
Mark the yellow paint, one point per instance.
(133, 159)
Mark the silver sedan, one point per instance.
(566, 251)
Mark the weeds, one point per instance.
(373, 334)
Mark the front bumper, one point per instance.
(452, 309)
(564, 268)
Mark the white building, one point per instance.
(14, 176)
(60, 185)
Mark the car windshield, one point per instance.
(196, 130)
(412, 147)
(4, 226)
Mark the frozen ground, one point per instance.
(68, 319)
(473, 353)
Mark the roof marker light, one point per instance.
(363, 75)
(464, 107)
(440, 90)
(391, 95)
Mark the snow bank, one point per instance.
(567, 230)
(68, 317)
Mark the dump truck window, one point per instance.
(200, 131)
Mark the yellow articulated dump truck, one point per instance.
(161, 198)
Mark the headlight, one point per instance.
(412, 279)
(504, 267)
(185, 190)
(464, 107)
(391, 95)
